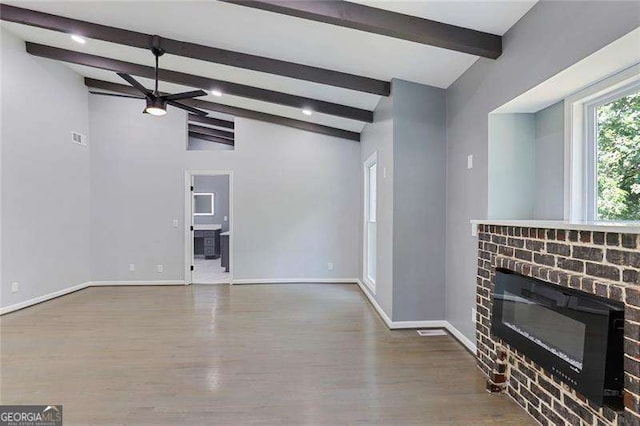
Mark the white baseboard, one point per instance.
(375, 305)
(395, 325)
(135, 283)
(296, 281)
(44, 298)
(461, 338)
(40, 299)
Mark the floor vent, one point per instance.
(427, 333)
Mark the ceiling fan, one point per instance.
(157, 103)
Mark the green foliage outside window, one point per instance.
(619, 159)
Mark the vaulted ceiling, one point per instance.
(312, 38)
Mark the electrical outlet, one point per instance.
(175, 223)
(330, 266)
(132, 267)
(469, 161)
(474, 230)
(473, 315)
(15, 287)
(160, 268)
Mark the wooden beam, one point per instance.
(194, 51)
(235, 111)
(227, 124)
(299, 102)
(211, 138)
(386, 23)
(211, 132)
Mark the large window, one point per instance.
(602, 180)
(616, 142)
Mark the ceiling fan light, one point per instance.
(156, 106)
(155, 111)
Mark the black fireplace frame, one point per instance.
(601, 378)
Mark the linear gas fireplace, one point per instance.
(575, 336)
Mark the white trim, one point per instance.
(575, 152)
(396, 325)
(461, 337)
(296, 281)
(135, 283)
(371, 284)
(44, 298)
(375, 305)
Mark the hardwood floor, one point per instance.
(313, 354)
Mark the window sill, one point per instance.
(603, 226)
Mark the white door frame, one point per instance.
(373, 159)
(188, 220)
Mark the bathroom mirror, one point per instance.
(203, 204)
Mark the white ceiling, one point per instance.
(282, 37)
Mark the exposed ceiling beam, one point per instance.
(235, 111)
(386, 23)
(211, 121)
(199, 82)
(211, 132)
(211, 138)
(194, 51)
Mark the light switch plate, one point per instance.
(474, 230)
(175, 223)
(15, 287)
(226, 218)
(330, 266)
(469, 161)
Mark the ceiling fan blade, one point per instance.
(185, 95)
(132, 81)
(187, 108)
(117, 95)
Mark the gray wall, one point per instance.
(45, 177)
(408, 134)
(511, 166)
(296, 197)
(549, 164)
(218, 185)
(419, 157)
(551, 37)
(378, 137)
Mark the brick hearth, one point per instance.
(605, 264)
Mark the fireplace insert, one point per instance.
(575, 336)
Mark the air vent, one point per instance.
(426, 333)
(78, 138)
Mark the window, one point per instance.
(203, 203)
(614, 130)
(602, 172)
(370, 217)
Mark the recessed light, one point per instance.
(307, 111)
(217, 93)
(78, 39)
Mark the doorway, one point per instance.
(209, 227)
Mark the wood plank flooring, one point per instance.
(306, 354)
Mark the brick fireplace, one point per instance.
(606, 264)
